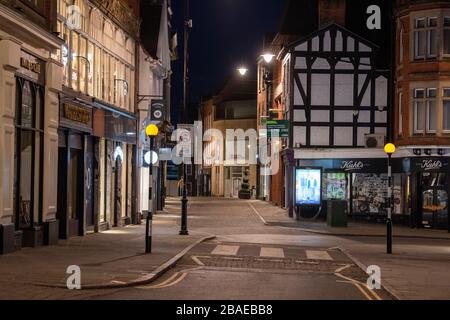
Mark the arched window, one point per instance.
(28, 155)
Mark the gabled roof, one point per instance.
(236, 89)
(328, 27)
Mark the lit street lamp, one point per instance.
(152, 132)
(242, 71)
(268, 57)
(389, 149)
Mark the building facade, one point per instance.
(97, 123)
(331, 83)
(30, 82)
(422, 110)
(155, 55)
(234, 107)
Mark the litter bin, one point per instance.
(337, 213)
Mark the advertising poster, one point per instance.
(308, 186)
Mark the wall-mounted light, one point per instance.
(268, 57)
(125, 86)
(417, 152)
(428, 152)
(441, 152)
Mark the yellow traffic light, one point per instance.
(152, 131)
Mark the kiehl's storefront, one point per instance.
(427, 191)
(76, 167)
(420, 189)
(362, 183)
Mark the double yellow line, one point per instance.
(170, 282)
(368, 293)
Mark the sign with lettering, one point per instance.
(32, 67)
(76, 117)
(430, 164)
(282, 126)
(352, 165)
(77, 114)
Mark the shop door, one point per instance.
(118, 192)
(435, 208)
(89, 183)
(236, 187)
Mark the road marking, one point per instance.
(361, 287)
(162, 283)
(343, 268)
(197, 261)
(318, 255)
(306, 262)
(257, 213)
(222, 250)
(272, 253)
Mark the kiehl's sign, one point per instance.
(77, 114)
(430, 164)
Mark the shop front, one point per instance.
(76, 167)
(361, 183)
(117, 134)
(427, 191)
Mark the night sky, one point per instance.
(226, 34)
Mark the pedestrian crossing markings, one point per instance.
(267, 252)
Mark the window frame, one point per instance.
(445, 99)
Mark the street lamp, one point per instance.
(268, 57)
(152, 132)
(242, 71)
(389, 149)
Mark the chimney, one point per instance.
(332, 11)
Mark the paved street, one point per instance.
(246, 260)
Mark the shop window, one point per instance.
(369, 194)
(28, 155)
(335, 186)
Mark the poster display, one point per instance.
(308, 186)
(335, 186)
(369, 194)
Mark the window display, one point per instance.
(369, 194)
(335, 186)
(308, 186)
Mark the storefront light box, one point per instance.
(308, 186)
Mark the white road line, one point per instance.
(318, 255)
(222, 250)
(272, 253)
(258, 214)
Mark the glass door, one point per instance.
(435, 208)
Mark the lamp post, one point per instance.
(151, 132)
(389, 149)
(187, 27)
(242, 71)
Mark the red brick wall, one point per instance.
(409, 71)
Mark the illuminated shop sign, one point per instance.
(77, 114)
(308, 186)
